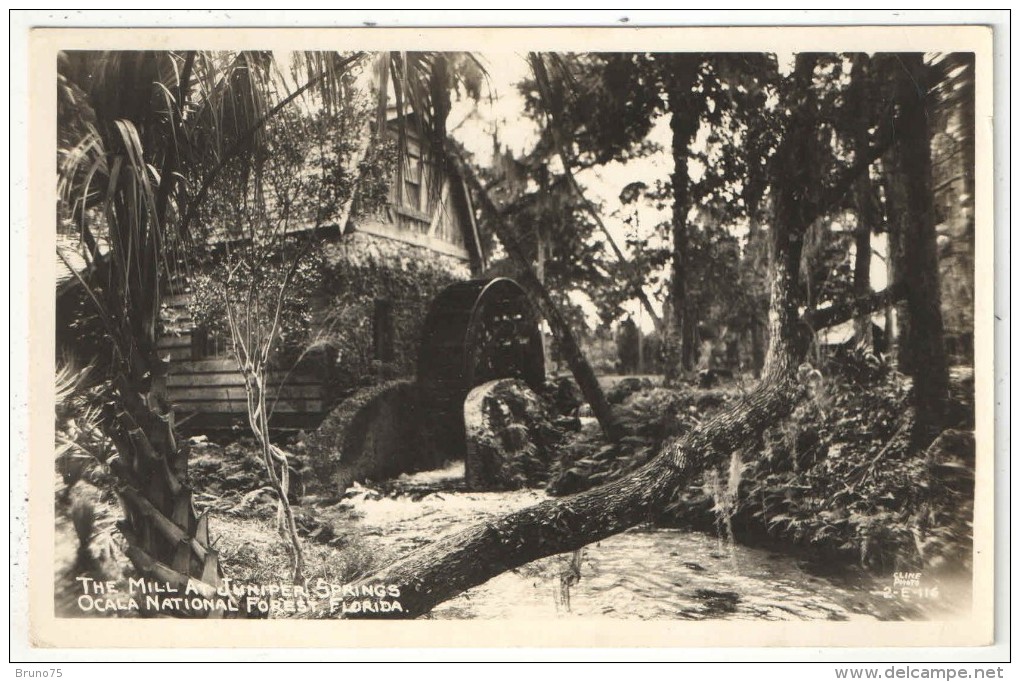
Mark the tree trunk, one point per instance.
(542, 81)
(166, 540)
(869, 213)
(446, 568)
(684, 105)
(640, 349)
(539, 296)
(757, 347)
(921, 352)
(893, 193)
(862, 263)
(541, 248)
(255, 383)
(753, 259)
(689, 337)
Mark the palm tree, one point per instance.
(142, 138)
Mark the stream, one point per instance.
(645, 573)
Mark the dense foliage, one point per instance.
(352, 285)
(840, 477)
(328, 319)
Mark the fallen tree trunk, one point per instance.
(468, 558)
(439, 571)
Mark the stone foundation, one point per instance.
(373, 435)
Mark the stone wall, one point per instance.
(507, 434)
(362, 276)
(373, 435)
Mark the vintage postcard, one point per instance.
(511, 337)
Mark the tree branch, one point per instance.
(822, 318)
(838, 189)
(542, 80)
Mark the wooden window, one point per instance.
(412, 183)
(206, 344)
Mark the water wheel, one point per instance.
(475, 331)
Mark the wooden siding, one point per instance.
(213, 387)
(389, 230)
(427, 209)
(209, 393)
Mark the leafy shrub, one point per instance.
(839, 476)
(352, 283)
(650, 417)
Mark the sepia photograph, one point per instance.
(587, 334)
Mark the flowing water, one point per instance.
(645, 573)
(668, 574)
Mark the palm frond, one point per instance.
(423, 85)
